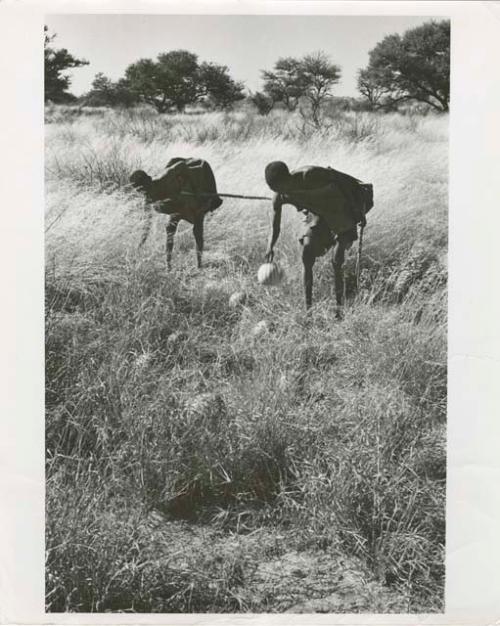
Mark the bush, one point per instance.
(262, 103)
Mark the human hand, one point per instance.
(269, 256)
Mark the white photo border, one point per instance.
(473, 485)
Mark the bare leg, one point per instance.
(198, 235)
(308, 259)
(173, 222)
(338, 270)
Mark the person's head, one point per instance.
(141, 181)
(277, 175)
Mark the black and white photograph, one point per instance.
(246, 245)
(249, 345)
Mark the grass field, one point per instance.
(200, 461)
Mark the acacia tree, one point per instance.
(105, 92)
(55, 63)
(369, 86)
(220, 89)
(319, 75)
(285, 83)
(172, 81)
(415, 66)
(307, 82)
(122, 95)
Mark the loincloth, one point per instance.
(321, 237)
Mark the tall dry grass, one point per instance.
(188, 453)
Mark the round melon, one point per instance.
(260, 328)
(270, 274)
(237, 299)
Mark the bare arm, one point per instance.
(276, 227)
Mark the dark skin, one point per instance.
(171, 228)
(187, 209)
(309, 254)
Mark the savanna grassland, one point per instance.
(199, 460)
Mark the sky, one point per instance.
(246, 44)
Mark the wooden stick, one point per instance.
(146, 229)
(358, 259)
(223, 195)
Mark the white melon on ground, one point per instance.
(260, 328)
(237, 299)
(270, 274)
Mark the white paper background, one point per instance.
(473, 503)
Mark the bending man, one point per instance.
(194, 176)
(333, 204)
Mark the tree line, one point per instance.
(414, 67)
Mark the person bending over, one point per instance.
(333, 203)
(194, 176)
